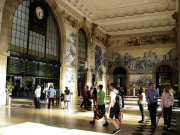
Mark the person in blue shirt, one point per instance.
(152, 98)
(51, 93)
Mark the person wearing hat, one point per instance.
(67, 96)
(100, 105)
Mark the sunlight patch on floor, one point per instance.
(30, 128)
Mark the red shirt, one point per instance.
(84, 93)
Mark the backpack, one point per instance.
(119, 100)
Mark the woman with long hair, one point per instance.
(142, 103)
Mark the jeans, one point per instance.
(141, 107)
(37, 102)
(167, 116)
(51, 99)
(85, 100)
(152, 110)
(57, 101)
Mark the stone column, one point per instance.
(3, 66)
(178, 47)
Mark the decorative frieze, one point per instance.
(70, 20)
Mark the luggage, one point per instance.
(89, 103)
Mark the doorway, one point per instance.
(119, 76)
(163, 75)
(81, 80)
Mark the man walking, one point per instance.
(38, 95)
(100, 105)
(114, 108)
(85, 97)
(152, 97)
(167, 101)
(51, 93)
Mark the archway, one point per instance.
(119, 77)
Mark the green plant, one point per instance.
(9, 87)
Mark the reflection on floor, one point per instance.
(22, 117)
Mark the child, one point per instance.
(62, 100)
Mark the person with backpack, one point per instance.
(167, 101)
(114, 108)
(100, 105)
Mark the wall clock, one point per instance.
(39, 12)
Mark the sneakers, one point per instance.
(92, 122)
(117, 131)
(141, 121)
(168, 128)
(106, 124)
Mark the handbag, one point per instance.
(98, 114)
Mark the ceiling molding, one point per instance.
(122, 16)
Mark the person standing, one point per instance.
(142, 103)
(167, 101)
(94, 96)
(38, 95)
(57, 96)
(152, 97)
(101, 105)
(45, 91)
(67, 97)
(114, 108)
(51, 94)
(62, 100)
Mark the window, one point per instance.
(19, 30)
(82, 45)
(28, 42)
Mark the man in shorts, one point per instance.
(100, 105)
(114, 108)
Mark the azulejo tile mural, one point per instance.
(70, 78)
(100, 57)
(143, 61)
(71, 49)
(141, 80)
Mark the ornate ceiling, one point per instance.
(116, 17)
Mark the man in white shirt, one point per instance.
(114, 108)
(38, 95)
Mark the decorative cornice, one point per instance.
(141, 34)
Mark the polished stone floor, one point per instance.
(22, 118)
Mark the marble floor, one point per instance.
(22, 118)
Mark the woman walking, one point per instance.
(142, 103)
